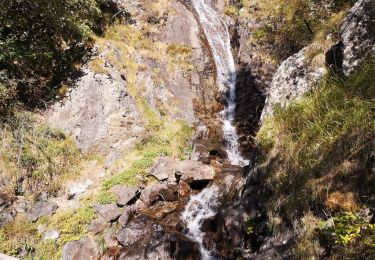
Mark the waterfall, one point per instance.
(218, 38)
(206, 203)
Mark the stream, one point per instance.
(206, 203)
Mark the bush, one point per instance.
(41, 39)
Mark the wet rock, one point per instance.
(184, 189)
(358, 34)
(162, 245)
(133, 232)
(85, 248)
(51, 235)
(194, 171)
(40, 209)
(97, 225)
(165, 169)
(79, 188)
(125, 194)
(291, 81)
(108, 212)
(166, 192)
(111, 253)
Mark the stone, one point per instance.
(110, 239)
(357, 33)
(291, 81)
(7, 257)
(109, 212)
(191, 171)
(164, 245)
(85, 248)
(160, 191)
(40, 209)
(132, 233)
(125, 217)
(99, 114)
(79, 188)
(97, 225)
(164, 169)
(51, 235)
(124, 193)
(5, 219)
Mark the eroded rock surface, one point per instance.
(291, 81)
(358, 34)
(85, 248)
(40, 209)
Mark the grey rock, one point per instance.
(358, 34)
(125, 217)
(194, 171)
(160, 191)
(79, 188)
(99, 114)
(124, 193)
(97, 225)
(132, 233)
(164, 169)
(110, 239)
(291, 81)
(5, 219)
(85, 248)
(108, 212)
(51, 235)
(40, 209)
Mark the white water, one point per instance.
(200, 207)
(206, 203)
(219, 40)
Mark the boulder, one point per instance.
(78, 188)
(357, 33)
(97, 225)
(194, 171)
(51, 235)
(291, 81)
(5, 219)
(125, 217)
(85, 248)
(109, 212)
(164, 169)
(125, 194)
(133, 232)
(162, 245)
(110, 239)
(40, 209)
(166, 192)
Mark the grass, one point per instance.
(317, 149)
(41, 156)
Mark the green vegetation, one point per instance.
(318, 150)
(290, 25)
(34, 157)
(22, 235)
(41, 40)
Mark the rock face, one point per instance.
(166, 192)
(358, 34)
(40, 209)
(85, 248)
(100, 114)
(292, 79)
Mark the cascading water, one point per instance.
(219, 40)
(206, 203)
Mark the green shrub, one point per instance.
(40, 40)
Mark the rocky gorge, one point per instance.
(166, 132)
